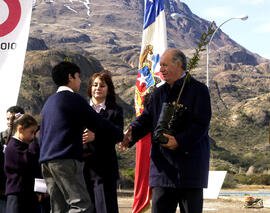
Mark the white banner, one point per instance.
(15, 17)
(215, 181)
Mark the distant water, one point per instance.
(244, 193)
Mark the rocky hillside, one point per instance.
(37, 84)
(107, 34)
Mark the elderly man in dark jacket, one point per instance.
(179, 168)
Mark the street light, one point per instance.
(243, 18)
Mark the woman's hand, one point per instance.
(127, 138)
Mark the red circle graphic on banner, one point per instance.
(13, 19)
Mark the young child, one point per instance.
(3, 137)
(21, 161)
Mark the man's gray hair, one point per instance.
(180, 56)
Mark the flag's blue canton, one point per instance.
(146, 77)
(152, 10)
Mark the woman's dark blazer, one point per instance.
(103, 161)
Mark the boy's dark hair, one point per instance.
(24, 120)
(15, 109)
(61, 71)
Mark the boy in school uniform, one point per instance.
(64, 117)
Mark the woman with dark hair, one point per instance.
(101, 166)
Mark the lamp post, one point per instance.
(243, 18)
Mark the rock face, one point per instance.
(256, 109)
(237, 56)
(37, 84)
(74, 38)
(36, 44)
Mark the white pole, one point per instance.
(207, 65)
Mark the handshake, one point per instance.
(172, 120)
(170, 141)
(125, 144)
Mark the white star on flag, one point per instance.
(142, 79)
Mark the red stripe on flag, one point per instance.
(142, 191)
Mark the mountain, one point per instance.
(106, 34)
(36, 44)
(115, 27)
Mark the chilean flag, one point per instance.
(154, 43)
(145, 79)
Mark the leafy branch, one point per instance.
(193, 62)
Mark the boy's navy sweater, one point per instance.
(63, 118)
(21, 166)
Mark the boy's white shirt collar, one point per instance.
(64, 88)
(16, 138)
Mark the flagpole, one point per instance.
(154, 43)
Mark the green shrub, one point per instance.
(243, 179)
(260, 179)
(224, 168)
(229, 182)
(126, 178)
(129, 173)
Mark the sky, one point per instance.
(253, 34)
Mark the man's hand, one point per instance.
(172, 143)
(127, 138)
(88, 136)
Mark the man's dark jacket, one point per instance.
(188, 165)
